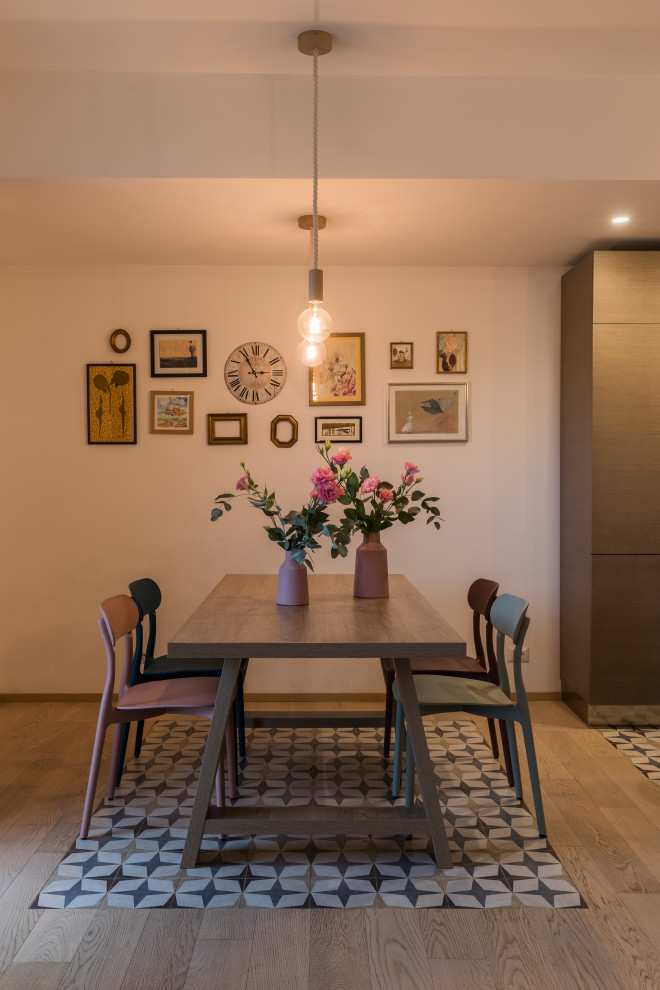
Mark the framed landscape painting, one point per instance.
(427, 413)
(178, 353)
(111, 403)
(339, 380)
(172, 412)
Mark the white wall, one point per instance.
(81, 521)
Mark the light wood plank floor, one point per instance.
(603, 819)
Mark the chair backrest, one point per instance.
(120, 617)
(481, 595)
(509, 616)
(147, 596)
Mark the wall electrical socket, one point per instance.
(508, 653)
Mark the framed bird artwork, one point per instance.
(427, 413)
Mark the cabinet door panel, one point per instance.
(626, 287)
(626, 438)
(625, 645)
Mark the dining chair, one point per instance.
(483, 666)
(438, 695)
(148, 699)
(148, 597)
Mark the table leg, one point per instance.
(223, 703)
(423, 764)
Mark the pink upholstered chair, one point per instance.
(185, 696)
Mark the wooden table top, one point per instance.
(240, 618)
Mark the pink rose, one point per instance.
(369, 485)
(407, 479)
(327, 492)
(386, 495)
(322, 474)
(341, 457)
(411, 468)
(243, 485)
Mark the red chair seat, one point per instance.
(184, 692)
(441, 665)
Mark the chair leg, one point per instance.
(515, 764)
(114, 763)
(532, 766)
(410, 774)
(232, 771)
(398, 745)
(138, 738)
(389, 704)
(125, 729)
(220, 782)
(506, 752)
(240, 715)
(493, 738)
(93, 777)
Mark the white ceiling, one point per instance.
(540, 116)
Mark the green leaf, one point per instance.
(416, 496)
(215, 514)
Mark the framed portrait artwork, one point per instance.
(171, 412)
(451, 352)
(427, 413)
(401, 354)
(178, 353)
(111, 403)
(339, 380)
(338, 429)
(227, 428)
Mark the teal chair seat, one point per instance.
(438, 695)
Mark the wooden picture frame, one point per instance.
(275, 425)
(227, 428)
(171, 413)
(111, 403)
(401, 354)
(340, 379)
(178, 353)
(427, 413)
(338, 429)
(451, 352)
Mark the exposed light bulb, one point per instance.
(620, 219)
(311, 352)
(315, 323)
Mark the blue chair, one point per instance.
(438, 694)
(147, 596)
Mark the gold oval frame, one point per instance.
(275, 423)
(113, 341)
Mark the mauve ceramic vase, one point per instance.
(292, 586)
(371, 568)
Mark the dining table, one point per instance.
(241, 619)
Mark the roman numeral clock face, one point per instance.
(255, 372)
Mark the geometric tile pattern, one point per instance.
(133, 853)
(641, 745)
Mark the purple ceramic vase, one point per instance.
(292, 582)
(371, 568)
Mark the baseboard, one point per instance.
(373, 697)
(7, 698)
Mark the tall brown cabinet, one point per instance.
(610, 487)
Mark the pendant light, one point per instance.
(314, 323)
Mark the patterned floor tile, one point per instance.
(133, 854)
(641, 745)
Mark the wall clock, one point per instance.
(255, 372)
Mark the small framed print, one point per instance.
(227, 428)
(427, 413)
(451, 352)
(339, 380)
(401, 354)
(111, 403)
(172, 412)
(178, 353)
(338, 429)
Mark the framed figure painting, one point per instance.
(452, 352)
(339, 380)
(427, 413)
(178, 353)
(111, 403)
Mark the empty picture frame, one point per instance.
(227, 428)
(284, 431)
(171, 412)
(338, 429)
(178, 353)
(111, 403)
(427, 413)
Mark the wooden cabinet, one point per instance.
(610, 487)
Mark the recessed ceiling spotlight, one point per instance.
(620, 219)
